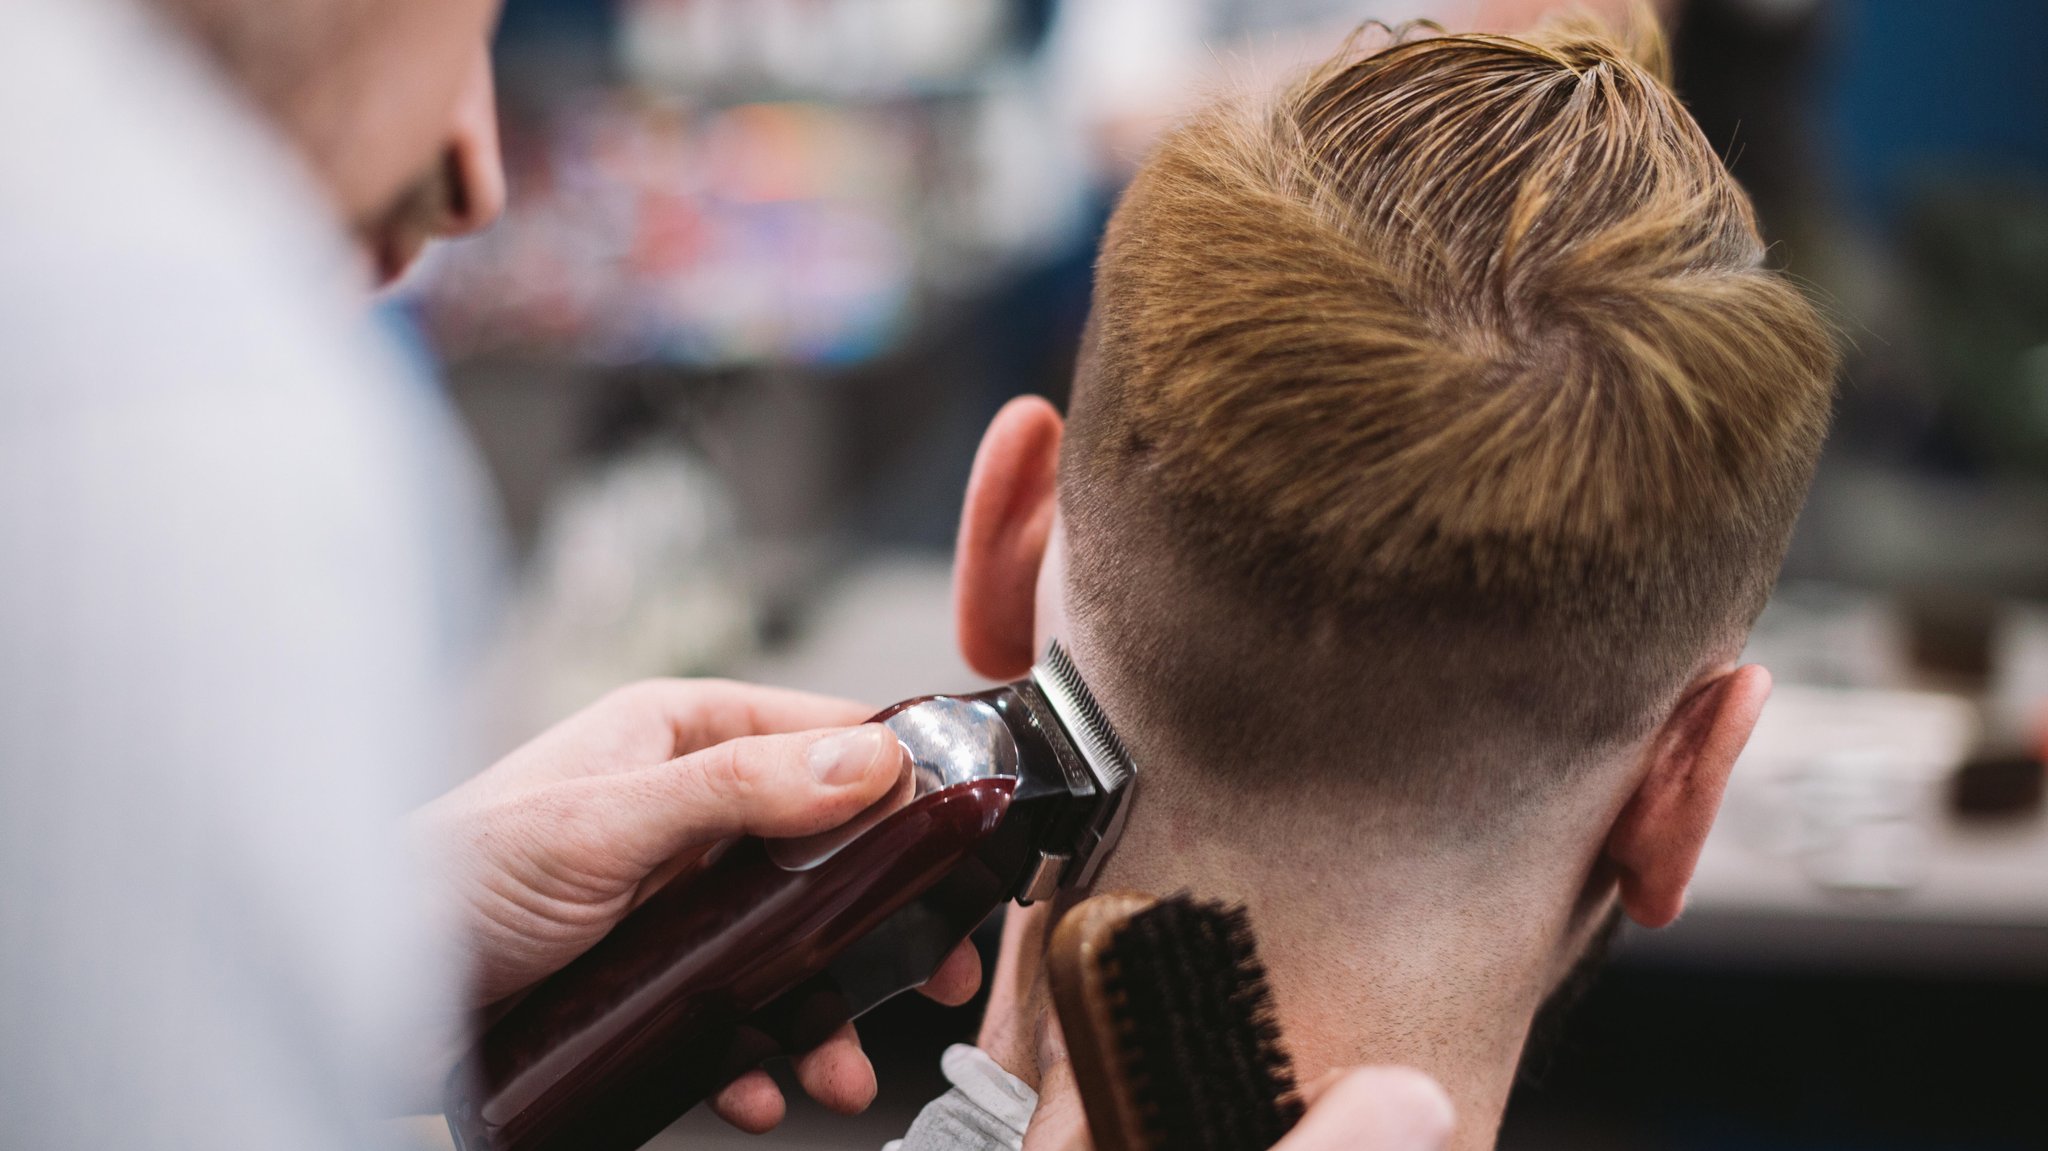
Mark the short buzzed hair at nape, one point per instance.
(1437, 421)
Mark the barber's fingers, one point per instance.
(777, 786)
(1374, 1109)
(837, 1073)
(656, 720)
(957, 979)
(702, 712)
(751, 1103)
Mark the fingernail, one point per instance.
(847, 758)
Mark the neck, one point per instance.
(1392, 956)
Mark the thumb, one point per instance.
(1375, 1109)
(778, 786)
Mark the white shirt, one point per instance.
(223, 556)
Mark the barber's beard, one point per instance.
(393, 239)
(1550, 1024)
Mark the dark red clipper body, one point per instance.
(1012, 793)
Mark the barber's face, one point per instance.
(461, 191)
(402, 125)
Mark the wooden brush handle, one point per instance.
(1087, 1014)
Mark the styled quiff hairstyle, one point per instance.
(1437, 423)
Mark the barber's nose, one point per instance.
(476, 169)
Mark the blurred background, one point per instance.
(771, 265)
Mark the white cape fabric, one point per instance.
(988, 1108)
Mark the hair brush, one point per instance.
(1169, 1023)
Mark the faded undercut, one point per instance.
(1438, 420)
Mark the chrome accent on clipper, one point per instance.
(951, 740)
(1044, 881)
(947, 740)
(1047, 733)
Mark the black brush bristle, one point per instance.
(1196, 1030)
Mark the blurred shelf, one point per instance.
(883, 632)
(1719, 934)
(838, 50)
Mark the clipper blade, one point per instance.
(1083, 718)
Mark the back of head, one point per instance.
(1439, 421)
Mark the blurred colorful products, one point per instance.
(645, 230)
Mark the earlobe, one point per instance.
(1655, 844)
(1005, 527)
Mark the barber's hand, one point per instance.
(551, 847)
(1356, 1109)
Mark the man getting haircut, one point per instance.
(1436, 442)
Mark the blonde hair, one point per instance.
(1450, 391)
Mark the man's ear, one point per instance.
(1656, 843)
(1004, 529)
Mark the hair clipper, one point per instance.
(1013, 793)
